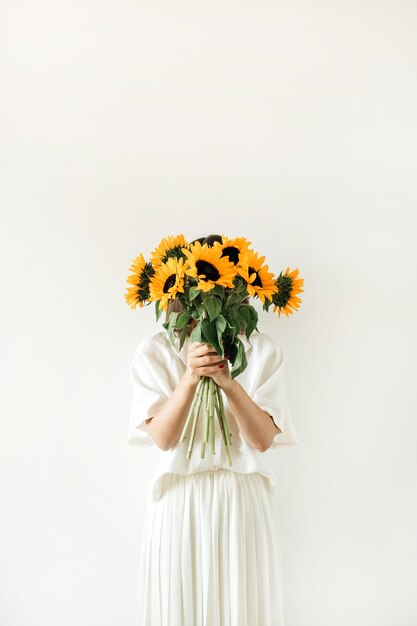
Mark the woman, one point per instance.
(210, 553)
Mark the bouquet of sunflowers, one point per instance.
(213, 284)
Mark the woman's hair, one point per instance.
(175, 306)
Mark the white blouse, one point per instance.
(156, 370)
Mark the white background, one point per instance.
(290, 123)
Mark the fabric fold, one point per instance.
(210, 553)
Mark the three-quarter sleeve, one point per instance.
(271, 397)
(149, 391)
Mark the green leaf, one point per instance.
(193, 293)
(213, 306)
(221, 323)
(218, 290)
(158, 310)
(198, 312)
(196, 333)
(236, 319)
(240, 362)
(183, 336)
(209, 331)
(182, 320)
(232, 299)
(220, 327)
(250, 315)
(171, 325)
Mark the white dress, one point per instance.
(210, 551)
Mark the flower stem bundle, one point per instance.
(208, 394)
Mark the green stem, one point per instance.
(209, 411)
(196, 416)
(223, 425)
(227, 431)
(191, 411)
(212, 392)
(206, 420)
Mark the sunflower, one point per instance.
(142, 272)
(233, 248)
(167, 281)
(167, 248)
(260, 281)
(207, 264)
(289, 285)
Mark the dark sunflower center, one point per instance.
(170, 282)
(208, 269)
(232, 253)
(257, 282)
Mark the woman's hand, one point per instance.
(203, 360)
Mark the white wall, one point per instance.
(290, 123)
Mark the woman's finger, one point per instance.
(197, 349)
(205, 370)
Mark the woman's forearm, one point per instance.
(165, 427)
(255, 424)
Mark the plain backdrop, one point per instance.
(290, 123)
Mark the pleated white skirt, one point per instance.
(210, 553)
